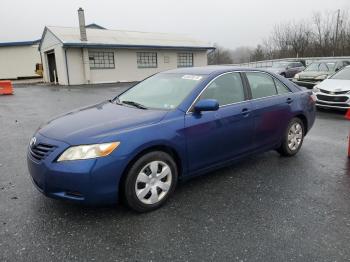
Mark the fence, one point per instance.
(304, 60)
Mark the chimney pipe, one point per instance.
(83, 36)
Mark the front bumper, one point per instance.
(93, 181)
(332, 101)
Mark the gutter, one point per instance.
(92, 45)
(67, 70)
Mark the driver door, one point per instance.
(214, 137)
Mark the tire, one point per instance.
(283, 74)
(296, 132)
(150, 181)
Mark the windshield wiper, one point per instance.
(135, 104)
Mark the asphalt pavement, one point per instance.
(264, 208)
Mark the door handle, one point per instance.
(245, 111)
(289, 100)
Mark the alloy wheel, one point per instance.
(295, 136)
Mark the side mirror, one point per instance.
(206, 105)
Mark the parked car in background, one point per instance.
(173, 125)
(286, 69)
(318, 71)
(334, 92)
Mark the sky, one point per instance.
(228, 23)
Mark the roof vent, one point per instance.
(83, 36)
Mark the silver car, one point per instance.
(334, 92)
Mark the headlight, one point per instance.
(315, 89)
(321, 77)
(88, 151)
(296, 76)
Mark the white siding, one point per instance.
(126, 65)
(52, 43)
(75, 66)
(18, 61)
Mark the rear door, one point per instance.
(271, 101)
(214, 137)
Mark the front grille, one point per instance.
(338, 99)
(335, 105)
(334, 93)
(311, 80)
(41, 151)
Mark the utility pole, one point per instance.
(336, 33)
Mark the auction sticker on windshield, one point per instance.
(192, 77)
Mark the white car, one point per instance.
(334, 92)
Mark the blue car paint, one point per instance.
(199, 142)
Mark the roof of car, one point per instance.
(207, 70)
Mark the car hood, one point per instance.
(335, 85)
(94, 123)
(313, 74)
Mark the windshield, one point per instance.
(161, 91)
(321, 66)
(342, 74)
(280, 65)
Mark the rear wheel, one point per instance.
(150, 181)
(293, 138)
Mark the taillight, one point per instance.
(313, 98)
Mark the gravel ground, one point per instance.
(265, 208)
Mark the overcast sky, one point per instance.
(228, 23)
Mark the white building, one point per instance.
(18, 59)
(73, 56)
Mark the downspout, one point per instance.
(67, 70)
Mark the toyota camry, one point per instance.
(171, 126)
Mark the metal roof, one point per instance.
(95, 26)
(70, 37)
(21, 43)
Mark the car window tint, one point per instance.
(261, 85)
(226, 89)
(281, 88)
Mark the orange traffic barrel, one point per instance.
(6, 88)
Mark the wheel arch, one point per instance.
(156, 147)
(303, 118)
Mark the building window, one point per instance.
(101, 60)
(146, 59)
(184, 59)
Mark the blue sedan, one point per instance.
(173, 125)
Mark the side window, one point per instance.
(261, 85)
(226, 89)
(281, 88)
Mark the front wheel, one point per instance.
(150, 181)
(293, 138)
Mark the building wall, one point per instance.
(51, 43)
(126, 69)
(18, 61)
